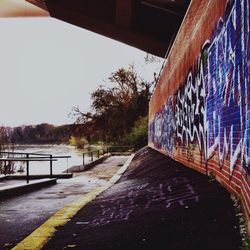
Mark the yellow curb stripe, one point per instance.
(38, 238)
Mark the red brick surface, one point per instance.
(201, 20)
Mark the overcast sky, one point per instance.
(48, 66)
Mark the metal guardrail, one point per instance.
(28, 158)
(98, 152)
(113, 149)
(105, 150)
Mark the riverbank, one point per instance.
(59, 166)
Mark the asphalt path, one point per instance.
(157, 204)
(21, 215)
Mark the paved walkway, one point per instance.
(158, 204)
(21, 215)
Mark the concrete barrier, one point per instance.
(20, 188)
(85, 167)
(37, 176)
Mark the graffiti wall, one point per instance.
(200, 110)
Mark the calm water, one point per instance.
(56, 150)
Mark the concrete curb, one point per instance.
(16, 189)
(3, 177)
(120, 172)
(36, 177)
(38, 239)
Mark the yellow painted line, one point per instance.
(38, 238)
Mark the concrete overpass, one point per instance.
(20, 8)
(149, 25)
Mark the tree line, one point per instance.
(41, 133)
(119, 115)
(119, 110)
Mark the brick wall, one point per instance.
(199, 113)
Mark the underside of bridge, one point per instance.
(149, 25)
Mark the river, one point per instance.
(54, 149)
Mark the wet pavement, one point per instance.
(157, 204)
(21, 215)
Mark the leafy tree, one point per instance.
(3, 135)
(78, 142)
(139, 131)
(116, 106)
(17, 135)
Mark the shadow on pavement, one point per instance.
(157, 204)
